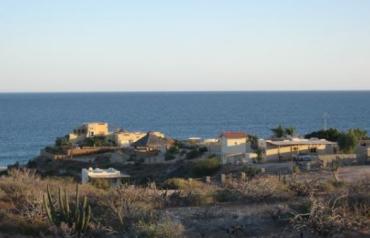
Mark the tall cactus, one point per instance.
(77, 216)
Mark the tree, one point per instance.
(347, 142)
(331, 134)
(358, 133)
(253, 141)
(62, 141)
(260, 156)
(290, 131)
(278, 131)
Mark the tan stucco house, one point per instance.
(87, 130)
(288, 148)
(233, 144)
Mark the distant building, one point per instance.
(154, 141)
(233, 144)
(213, 146)
(363, 150)
(111, 177)
(289, 148)
(87, 130)
(125, 138)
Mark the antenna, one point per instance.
(325, 117)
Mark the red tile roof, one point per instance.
(234, 135)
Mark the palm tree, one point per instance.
(278, 131)
(290, 131)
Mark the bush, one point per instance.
(267, 188)
(205, 167)
(337, 213)
(163, 229)
(62, 141)
(169, 156)
(171, 153)
(173, 150)
(331, 134)
(97, 141)
(228, 195)
(194, 153)
(192, 198)
(180, 183)
(251, 172)
(347, 142)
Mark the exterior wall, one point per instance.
(238, 158)
(328, 159)
(233, 146)
(213, 147)
(89, 150)
(88, 130)
(96, 129)
(125, 139)
(52, 156)
(274, 152)
(363, 150)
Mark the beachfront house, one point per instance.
(233, 145)
(103, 177)
(293, 147)
(87, 130)
(126, 138)
(154, 141)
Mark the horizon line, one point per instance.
(184, 91)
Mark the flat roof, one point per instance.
(300, 142)
(105, 173)
(109, 175)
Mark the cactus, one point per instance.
(77, 216)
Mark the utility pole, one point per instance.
(325, 117)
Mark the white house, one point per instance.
(112, 176)
(233, 145)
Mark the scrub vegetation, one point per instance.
(32, 206)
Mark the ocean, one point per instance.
(30, 121)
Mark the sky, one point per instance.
(192, 45)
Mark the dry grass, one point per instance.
(343, 210)
(131, 211)
(264, 188)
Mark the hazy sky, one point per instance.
(76, 45)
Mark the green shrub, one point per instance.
(163, 229)
(228, 195)
(330, 134)
(97, 141)
(203, 149)
(62, 141)
(347, 142)
(194, 153)
(173, 150)
(171, 153)
(180, 183)
(251, 172)
(205, 167)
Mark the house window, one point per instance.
(313, 150)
